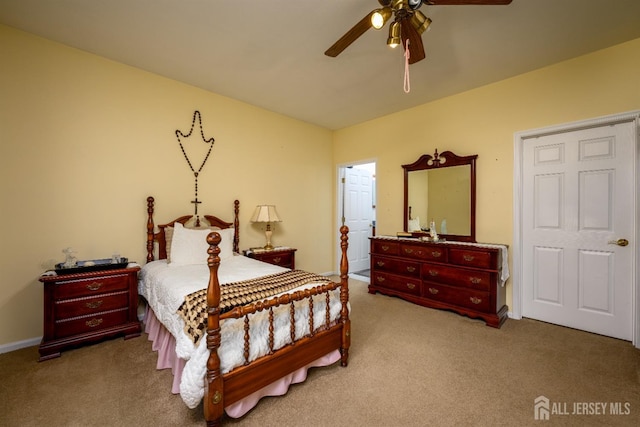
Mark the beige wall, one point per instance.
(483, 121)
(85, 140)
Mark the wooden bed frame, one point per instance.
(223, 390)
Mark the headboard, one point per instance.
(160, 237)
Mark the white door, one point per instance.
(358, 215)
(577, 202)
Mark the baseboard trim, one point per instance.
(12, 346)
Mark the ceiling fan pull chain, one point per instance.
(407, 82)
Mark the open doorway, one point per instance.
(357, 210)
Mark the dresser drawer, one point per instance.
(424, 252)
(90, 286)
(397, 283)
(385, 247)
(74, 307)
(473, 258)
(469, 298)
(473, 279)
(90, 323)
(395, 266)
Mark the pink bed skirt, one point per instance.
(164, 344)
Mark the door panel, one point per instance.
(578, 197)
(358, 216)
(548, 274)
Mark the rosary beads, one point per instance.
(209, 141)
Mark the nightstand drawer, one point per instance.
(94, 285)
(282, 256)
(282, 259)
(96, 322)
(67, 308)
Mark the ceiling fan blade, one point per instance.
(416, 48)
(350, 36)
(467, 2)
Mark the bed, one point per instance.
(243, 329)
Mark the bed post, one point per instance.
(150, 228)
(344, 296)
(213, 394)
(236, 226)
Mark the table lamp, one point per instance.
(267, 214)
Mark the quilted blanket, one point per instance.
(194, 308)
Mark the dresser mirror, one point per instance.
(441, 188)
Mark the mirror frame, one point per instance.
(439, 161)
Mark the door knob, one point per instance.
(619, 242)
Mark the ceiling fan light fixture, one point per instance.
(379, 17)
(394, 34)
(420, 22)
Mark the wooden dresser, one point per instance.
(86, 307)
(459, 277)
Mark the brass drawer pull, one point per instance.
(94, 286)
(475, 300)
(408, 250)
(277, 260)
(436, 254)
(433, 291)
(380, 279)
(411, 269)
(380, 263)
(94, 304)
(384, 248)
(93, 323)
(433, 273)
(475, 280)
(468, 258)
(411, 286)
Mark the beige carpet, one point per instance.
(409, 366)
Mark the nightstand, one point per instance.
(86, 307)
(282, 256)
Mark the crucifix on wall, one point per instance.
(196, 151)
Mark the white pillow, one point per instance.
(168, 237)
(189, 245)
(226, 245)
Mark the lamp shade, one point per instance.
(265, 213)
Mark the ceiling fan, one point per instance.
(408, 24)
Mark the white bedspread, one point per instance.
(164, 287)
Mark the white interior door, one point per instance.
(358, 215)
(577, 201)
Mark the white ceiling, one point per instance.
(271, 53)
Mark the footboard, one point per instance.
(223, 390)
